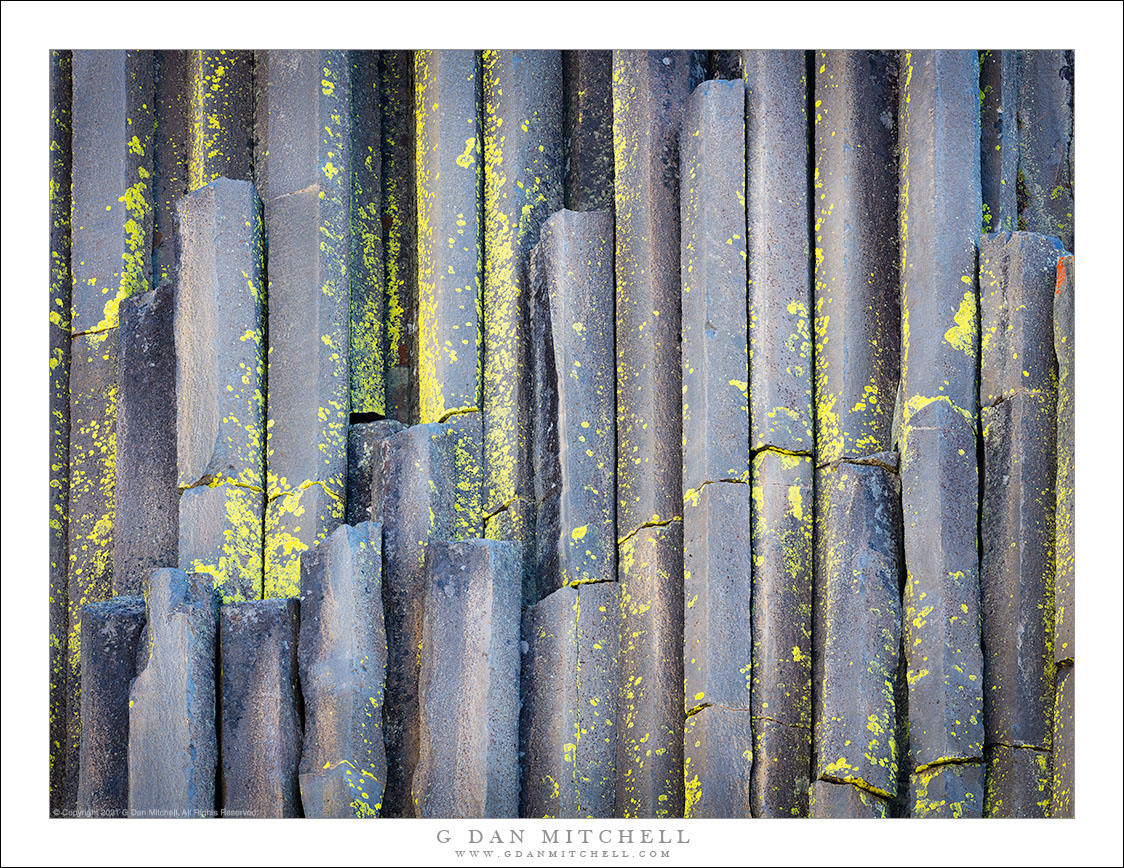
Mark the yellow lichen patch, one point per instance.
(294, 522)
(962, 336)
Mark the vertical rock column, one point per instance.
(857, 637)
(587, 85)
(170, 152)
(111, 237)
(1045, 130)
(343, 658)
(173, 746)
(567, 734)
(304, 170)
(1064, 595)
(939, 200)
(1018, 388)
(650, 91)
(221, 96)
(367, 362)
(781, 432)
(575, 420)
(450, 248)
(400, 233)
(468, 757)
(999, 140)
(260, 714)
(523, 168)
(856, 345)
(111, 631)
(220, 400)
(147, 499)
(430, 484)
(60, 290)
(718, 642)
(364, 468)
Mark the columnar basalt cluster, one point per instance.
(562, 433)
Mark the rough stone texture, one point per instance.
(1017, 569)
(92, 452)
(146, 497)
(220, 367)
(59, 403)
(523, 168)
(260, 715)
(367, 354)
(650, 91)
(715, 361)
(426, 469)
(830, 801)
(111, 191)
(725, 65)
(1018, 276)
(1045, 127)
(111, 631)
(400, 233)
(951, 790)
(468, 757)
(857, 326)
(1064, 753)
(779, 275)
(173, 747)
(717, 597)
(222, 120)
(717, 763)
(1017, 784)
(587, 84)
(999, 140)
(939, 129)
(782, 588)
(343, 657)
(1064, 596)
(857, 626)
(941, 601)
(364, 468)
(650, 674)
(221, 535)
(575, 421)
(449, 189)
(782, 763)
(567, 733)
(516, 523)
(171, 150)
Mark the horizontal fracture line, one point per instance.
(799, 453)
(640, 527)
(1032, 747)
(807, 729)
(219, 484)
(93, 331)
(860, 461)
(501, 507)
(858, 785)
(313, 188)
(949, 761)
(304, 486)
(691, 492)
(697, 708)
(1015, 394)
(448, 414)
(581, 582)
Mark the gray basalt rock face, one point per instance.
(342, 655)
(111, 632)
(260, 714)
(173, 745)
(468, 756)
